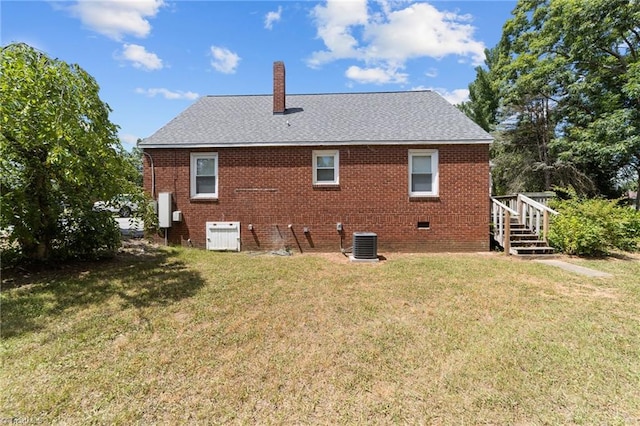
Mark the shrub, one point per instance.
(629, 229)
(10, 255)
(86, 235)
(594, 227)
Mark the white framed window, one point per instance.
(423, 172)
(326, 167)
(204, 175)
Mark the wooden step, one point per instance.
(521, 231)
(524, 237)
(529, 243)
(532, 251)
(517, 226)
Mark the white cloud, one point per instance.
(431, 72)
(140, 58)
(167, 94)
(454, 97)
(334, 22)
(389, 35)
(272, 17)
(117, 18)
(224, 60)
(375, 75)
(128, 139)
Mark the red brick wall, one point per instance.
(272, 188)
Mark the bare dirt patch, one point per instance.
(587, 290)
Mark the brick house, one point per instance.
(290, 170)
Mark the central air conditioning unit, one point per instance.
(365, 246)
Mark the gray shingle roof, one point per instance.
(319, 119)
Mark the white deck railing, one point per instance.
(534, 215)
(530, 212)
(501, 216)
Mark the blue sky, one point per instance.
(153, 58)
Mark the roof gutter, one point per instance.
(312, 143)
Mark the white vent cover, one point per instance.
(365, 245)
(223, 236)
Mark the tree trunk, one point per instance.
(38, 247)
(638, 191)
(35, 250)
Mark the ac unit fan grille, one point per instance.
(365, 245)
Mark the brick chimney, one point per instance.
(279, 105)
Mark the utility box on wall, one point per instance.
(164, 209)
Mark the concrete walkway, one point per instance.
(574, 268)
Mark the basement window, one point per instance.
(423, 225)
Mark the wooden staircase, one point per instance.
(524, 242)
(521, 224)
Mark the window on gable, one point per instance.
(204, 175)
(325, 167)
(423, 173)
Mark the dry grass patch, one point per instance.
(186, 335)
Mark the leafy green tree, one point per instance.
(569, 83)
(59, 153)
(135, 158)
(602, 40)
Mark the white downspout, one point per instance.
(153, 176)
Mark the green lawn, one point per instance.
(175, 336)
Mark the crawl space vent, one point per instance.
(223, 236)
